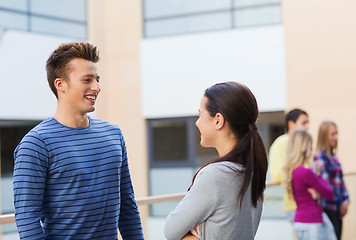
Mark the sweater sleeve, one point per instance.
(345, 194)
(277, 156)
(129, 219)
(198, 204)
(30, 171)
(319, 184)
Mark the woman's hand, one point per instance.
(314, 193)
(343, 208)
(318, 167)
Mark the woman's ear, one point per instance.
(219, 121)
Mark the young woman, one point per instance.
(331, 171)
(308, 220)
(225, 198)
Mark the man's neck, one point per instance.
(71, 119)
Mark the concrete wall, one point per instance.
(115, 27)
(25, 92)
(320, 39)
(177, 69)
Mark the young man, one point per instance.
(295, 119)
(71, 176)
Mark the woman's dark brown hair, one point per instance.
(238, 105)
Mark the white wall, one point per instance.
(176, 70)
(25, 93)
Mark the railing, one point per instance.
(10, 218)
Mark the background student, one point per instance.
(308, 223)
(294, 119)
(331, 171)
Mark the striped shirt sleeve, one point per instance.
(31, 162)
(129, 219)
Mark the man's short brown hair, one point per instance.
(57, 65)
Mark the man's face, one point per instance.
(301, 123)
(82, 86)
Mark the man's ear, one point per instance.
(59, 83)
(219, 121)
(291, 125)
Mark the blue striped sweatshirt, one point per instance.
(74, 183)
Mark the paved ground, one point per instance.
(12, 236)
(268, 230)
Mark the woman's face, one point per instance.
(332, 136)
(206, 125)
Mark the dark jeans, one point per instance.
(336, 221)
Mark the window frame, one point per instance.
(29, 16)
(190, 123)
(231, 11)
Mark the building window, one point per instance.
(169, 141)
(175, 155)
(162, 17)
(176, 143)
(66, 18)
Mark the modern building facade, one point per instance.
(162, 55)
(158, 57)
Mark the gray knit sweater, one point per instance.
(212, 201)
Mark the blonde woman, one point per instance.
(331, 172)
(308, 220)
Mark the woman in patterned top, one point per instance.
(331, 171)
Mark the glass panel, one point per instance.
(60, 28)
(159, 8)
(203, 154)
(273, 202)
(13, 20)
(167, 181)
(169, 141)
(246, 3)
(257, 16)
(68, 9)
(275, 131)
(196, 23)
(20, 5)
